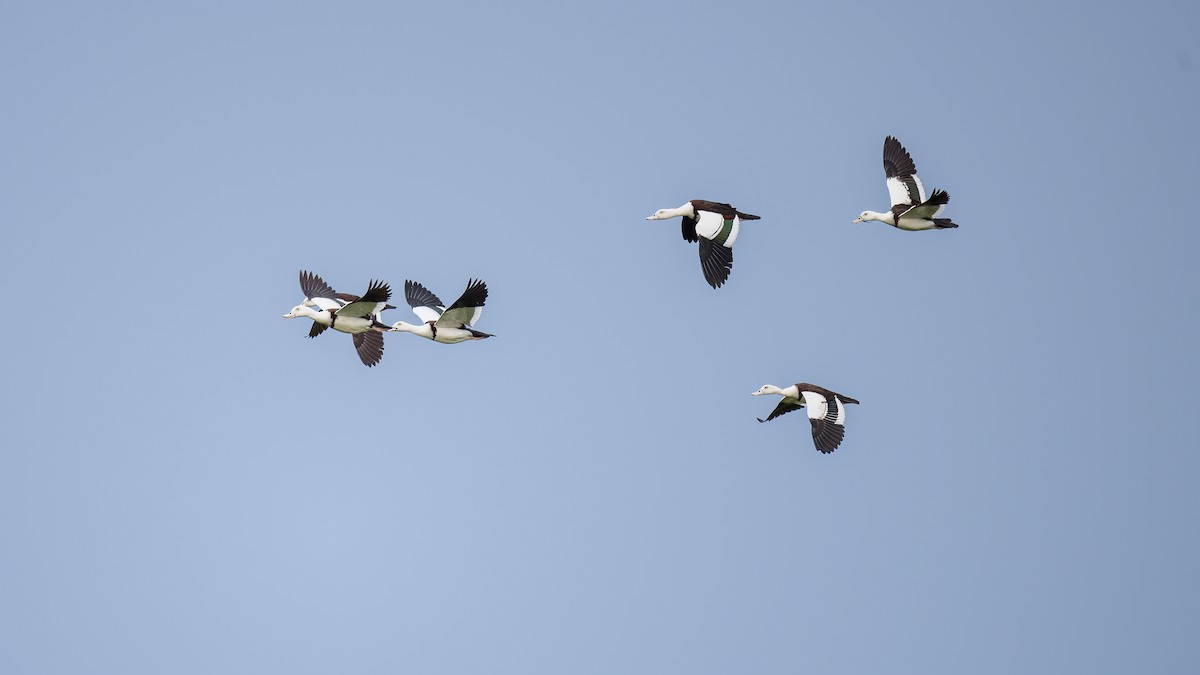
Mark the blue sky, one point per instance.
(188, 485)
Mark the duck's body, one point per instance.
(447, 325)
(319, 294)
(826, 411)
(715, 226)
(910, 209)
(359, 317)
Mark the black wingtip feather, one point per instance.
(716, 261)
(369, 346)
(317, 329)
(689, 230)
(377, 291)
(827, 436)
(896, 160)
(418, 296)
(475, 295)
(314, 286)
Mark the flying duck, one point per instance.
(910, 210)
(445, 324)
(715, 226)
(358, 317)
(825, 410)
(314, 286)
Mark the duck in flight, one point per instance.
(356, 315)
(826, 411)
(439, 323)
(715, 226)
(314, 286)
(910, 209)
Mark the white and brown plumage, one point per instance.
(356, 315)
(447, 325)
(910, 209)
(826, 411)
(314, 286)
(715, 226)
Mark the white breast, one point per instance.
(708, 224)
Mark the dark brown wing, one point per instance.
(314, 286)
(317, 329)
(785, 406)
(475, 295)
(827, 436)
(898, 164)
(716, 261)
(419, 296)
(369, 346)
(365, 306)
(689, 229)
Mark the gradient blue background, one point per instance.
(188, 485)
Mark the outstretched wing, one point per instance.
(785, 406)
(424, 303)
(317, 292)
(369, 346)
(903, 185)
(314, 286)
(828, 417)
(371, 303)
(827, 436)
(689, 229)
(716, 261)
(929, 209)
(317, 329)
(467, 309)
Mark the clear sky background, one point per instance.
(189, 485)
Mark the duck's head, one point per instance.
(661, 214)
(865, 216)
(767, 389)
(298, 310)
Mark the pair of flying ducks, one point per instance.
(359, 315)
(715, 225)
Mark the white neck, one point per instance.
(419, 329)
(686, 210)
(888, 217)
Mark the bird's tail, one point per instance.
(943, 223)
